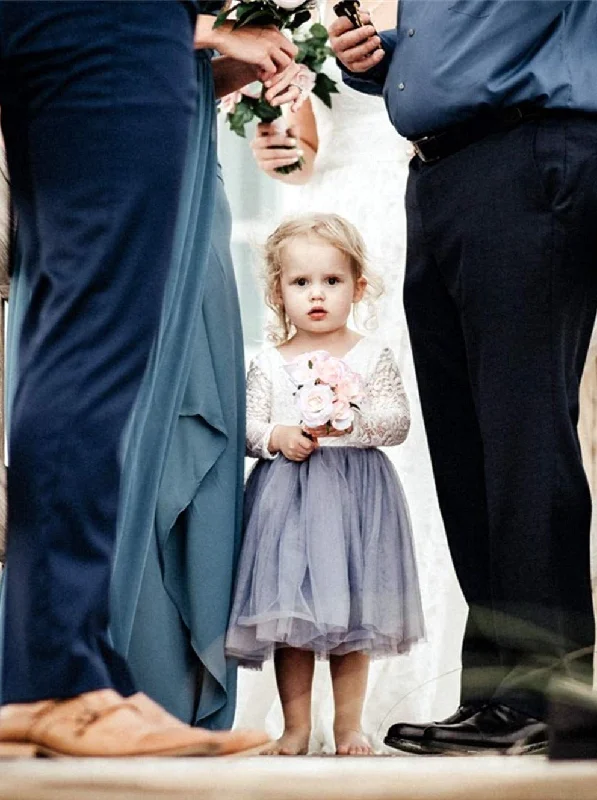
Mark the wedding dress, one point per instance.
(360, 172)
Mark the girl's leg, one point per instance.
(349, 681)
(294, 676)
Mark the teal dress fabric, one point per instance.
(181, 499)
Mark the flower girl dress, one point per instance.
(327, 562)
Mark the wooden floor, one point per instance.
(376, 778)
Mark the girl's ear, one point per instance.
(360, 287)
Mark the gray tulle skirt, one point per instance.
(327, 562)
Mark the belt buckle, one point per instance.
(426, 159)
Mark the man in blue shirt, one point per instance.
(500, 293)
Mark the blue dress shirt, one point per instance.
(449, 60)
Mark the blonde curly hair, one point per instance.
(336, 231)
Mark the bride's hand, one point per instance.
(281, 88)
(359, 49)
(267, 143)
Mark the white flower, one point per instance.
(289, 5)
(342, 414)
(301, 368)
(316, 404)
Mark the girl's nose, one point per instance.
(317, 293)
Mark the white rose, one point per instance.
(289, 5)
(316, 404)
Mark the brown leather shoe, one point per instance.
(154, 712)
(104, 724)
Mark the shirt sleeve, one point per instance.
(372, 81)
(259, 401)
(384, 418)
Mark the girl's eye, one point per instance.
(333, 281)
(301, 281)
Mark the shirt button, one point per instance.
(401, 86)
(411, 31)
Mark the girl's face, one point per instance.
(317, 286)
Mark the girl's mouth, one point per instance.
(317, 313)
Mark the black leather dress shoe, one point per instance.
(410, 737)
(493, 729)
(572, 721)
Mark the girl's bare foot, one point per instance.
(293, 742)
(351, 743)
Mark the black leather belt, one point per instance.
(444, 143)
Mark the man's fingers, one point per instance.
(362, 51)
(339, 26)
(367, 63)
(352, 38)
(280, 58)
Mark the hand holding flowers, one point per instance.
(328, 393)
(264, 104)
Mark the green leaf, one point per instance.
(324, 87)
(265, 112)
(319, 31)
(254, 16)
(299, 19)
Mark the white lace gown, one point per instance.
(327, 562)
(360, 173)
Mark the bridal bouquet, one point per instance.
(249, 104)
(289, 14)
(328, 392)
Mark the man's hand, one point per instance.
(357, 48)
(291, 442)
(265, 48)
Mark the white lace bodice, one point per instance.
(356, 127)
(384, 417)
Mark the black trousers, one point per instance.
(500, 296)
(97, 100)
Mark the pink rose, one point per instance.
(302, 368)
(331, 370)
(342, 415)
(316, 404)
(229, 102)
(305, 80)
(351, 387)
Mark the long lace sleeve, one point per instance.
(259, 400)
(385, 414)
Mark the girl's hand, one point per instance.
(359, 49)
(291, 442)
(266, 144)
(265, 48)
(323, 431)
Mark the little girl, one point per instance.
(327, 568)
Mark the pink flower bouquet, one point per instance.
(328, 392)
